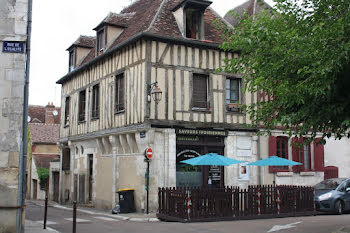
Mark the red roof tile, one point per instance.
(44, 133)
(37, 114)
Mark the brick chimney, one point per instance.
(49, 117)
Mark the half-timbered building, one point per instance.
(109, 116)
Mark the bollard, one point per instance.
(74, 217)
(45, 212)
(259, 202)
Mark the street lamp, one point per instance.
(155, 92)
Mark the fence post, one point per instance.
(45, 213)
(278, 200)
(74, 217)
(188, 205)
(259, 202)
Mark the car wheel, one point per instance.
(339, 208)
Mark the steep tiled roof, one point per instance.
(44, 133)
(246, 6)
(43, 160)
(37, 114)
(152, 17)
(85, 41)
(119, 20)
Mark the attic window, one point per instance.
(193, 24)
(72, 60)
(101, 41)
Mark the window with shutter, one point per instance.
(119, 93)
(200, 91)
(66, 111)
(318, 155)
(95, 102)
(272, 150)
(282, 151)
(301, 154)
(82, 105)
(233, 94)
(295, 155)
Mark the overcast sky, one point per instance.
(57, 24)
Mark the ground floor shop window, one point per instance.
(188, 147)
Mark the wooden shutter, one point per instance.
(272, 149)
(295, 155)
(318, 155)
(200, 91)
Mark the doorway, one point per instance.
(91, 172)
(35, 189)
(56, 182)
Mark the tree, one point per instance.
(298, 54)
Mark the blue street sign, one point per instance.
(13, 47)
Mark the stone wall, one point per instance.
(13, 24)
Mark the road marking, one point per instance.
(282, 227)
(47, 222)
(78, 220)
(107, 219)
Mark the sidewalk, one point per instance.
(36, 227)
(136, 217)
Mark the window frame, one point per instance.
(118, 98)
(82, 106)
(101, 40)
(194, 101)
(72, 59)
(199, 25)
(236, 104)
(279, 140)
(95, 106)
(67, 111)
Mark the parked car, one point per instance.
(333, 195)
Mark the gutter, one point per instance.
(148, 35)
(21, 192)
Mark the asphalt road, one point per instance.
(60, 220)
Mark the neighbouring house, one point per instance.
(319, 161)
(43, 122)
(13, 57)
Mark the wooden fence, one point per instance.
(230, 203)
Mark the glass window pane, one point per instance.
(227, 83)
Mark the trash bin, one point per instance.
(126, 200)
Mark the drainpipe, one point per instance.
(259, 157)
(21, 192)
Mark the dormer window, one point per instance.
(72, 60)
(193, 24)
(101, 41)
(189, 16)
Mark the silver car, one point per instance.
(333, 195)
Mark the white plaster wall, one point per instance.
(337, 153)
(302, 178)
(241, 146)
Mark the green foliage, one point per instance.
(297, 53)
(29, 144)
(43, 174)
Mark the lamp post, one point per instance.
(155, 92)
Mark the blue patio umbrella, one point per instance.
(211, 159)
(274, 161)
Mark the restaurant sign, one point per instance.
(13, 47)
(201, 132)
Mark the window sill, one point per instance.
(66, 126)
(307, 173)
(235, 112)
(201, 110)
(81, 122)
(284, 173)
(119, 112)
(95, 118)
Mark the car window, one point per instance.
(342, 187)
(329, 184)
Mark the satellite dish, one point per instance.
(29, 118)
(55, 113)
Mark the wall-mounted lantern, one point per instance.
(155, 92)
